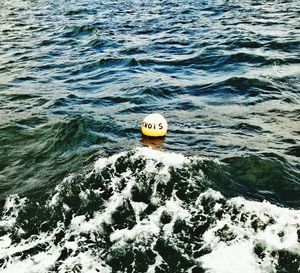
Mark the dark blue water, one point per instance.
(76, 80)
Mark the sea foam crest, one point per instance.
(146, 211)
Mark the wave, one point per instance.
(146, 211)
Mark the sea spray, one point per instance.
(146, 211)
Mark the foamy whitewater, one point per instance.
(146, 211)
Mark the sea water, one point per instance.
(82, 191)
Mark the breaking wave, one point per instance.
(146, 211)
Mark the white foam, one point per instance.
(231, 258)
(151, 225)
(56, 196)
(11, 209)
(89, 264)
(158, 261)
(105, 161)
(116, 200)
(237, 255)
(39, 262)
(168, 159)
(5, 241)
(287, 221)
(227, 256)
(138, 208)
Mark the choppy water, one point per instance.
(80, 192)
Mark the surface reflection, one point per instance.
(156, 143)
